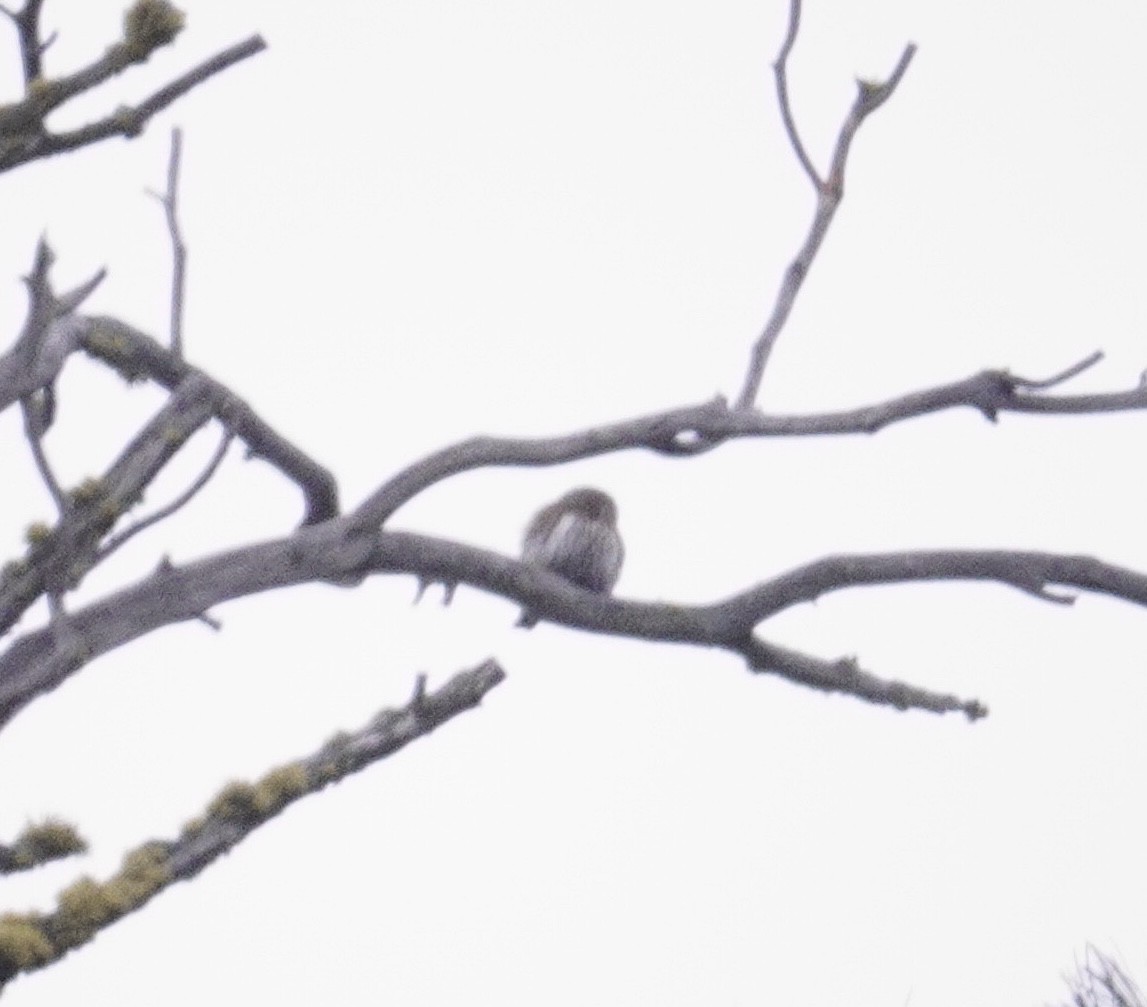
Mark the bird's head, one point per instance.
(590, 503)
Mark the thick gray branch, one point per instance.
(337, 553)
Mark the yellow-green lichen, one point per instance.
(48, 840)
(82, 909)
(149, 24)
(235, 802)
(106, 341)
(279, 787)
(39, 88)
(110, 511)
(37, 533)
(86, 906)
(114, 349)
(23, 944)
(90, 489)
(192, 827)
(144, 872)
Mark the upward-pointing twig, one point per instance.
(829, 191)
(169, 201)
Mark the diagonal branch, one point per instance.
(23, 138)
(41, 843)
(184, 498)
(135, 355)
(846, 676)
(1035, 384)
(59, 558)
(829, 192)
(87, 907)
(148, 25)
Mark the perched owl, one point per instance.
(576, 537)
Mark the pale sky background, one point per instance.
(414, 221)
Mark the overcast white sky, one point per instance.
(410, 222)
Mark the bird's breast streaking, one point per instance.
(576, 537)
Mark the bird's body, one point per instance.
(576, 537)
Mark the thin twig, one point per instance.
(67, 303)
(169, 200)
(34, 426)
(183, 499)
(1065, 375)
(780, 72)
(830, 192)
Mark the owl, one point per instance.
(576, 537)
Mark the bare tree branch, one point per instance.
(23, 138)
(343, 551)
(180, 501)
(780, 72)
(1065, 375)
(846, 676)
(49, 335)
(62, 556)
(169, 201)
(27, 24)
(829, 192)
(148, 25)
(135, 355)
(349, 544)
(88, 907)
(338, 552)
(690, 429)
(37, 409)
(1031, 572)
(1101, 982)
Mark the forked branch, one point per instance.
(829, 193)
(148, 25)
(336, 552)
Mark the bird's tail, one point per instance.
(527, 620)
